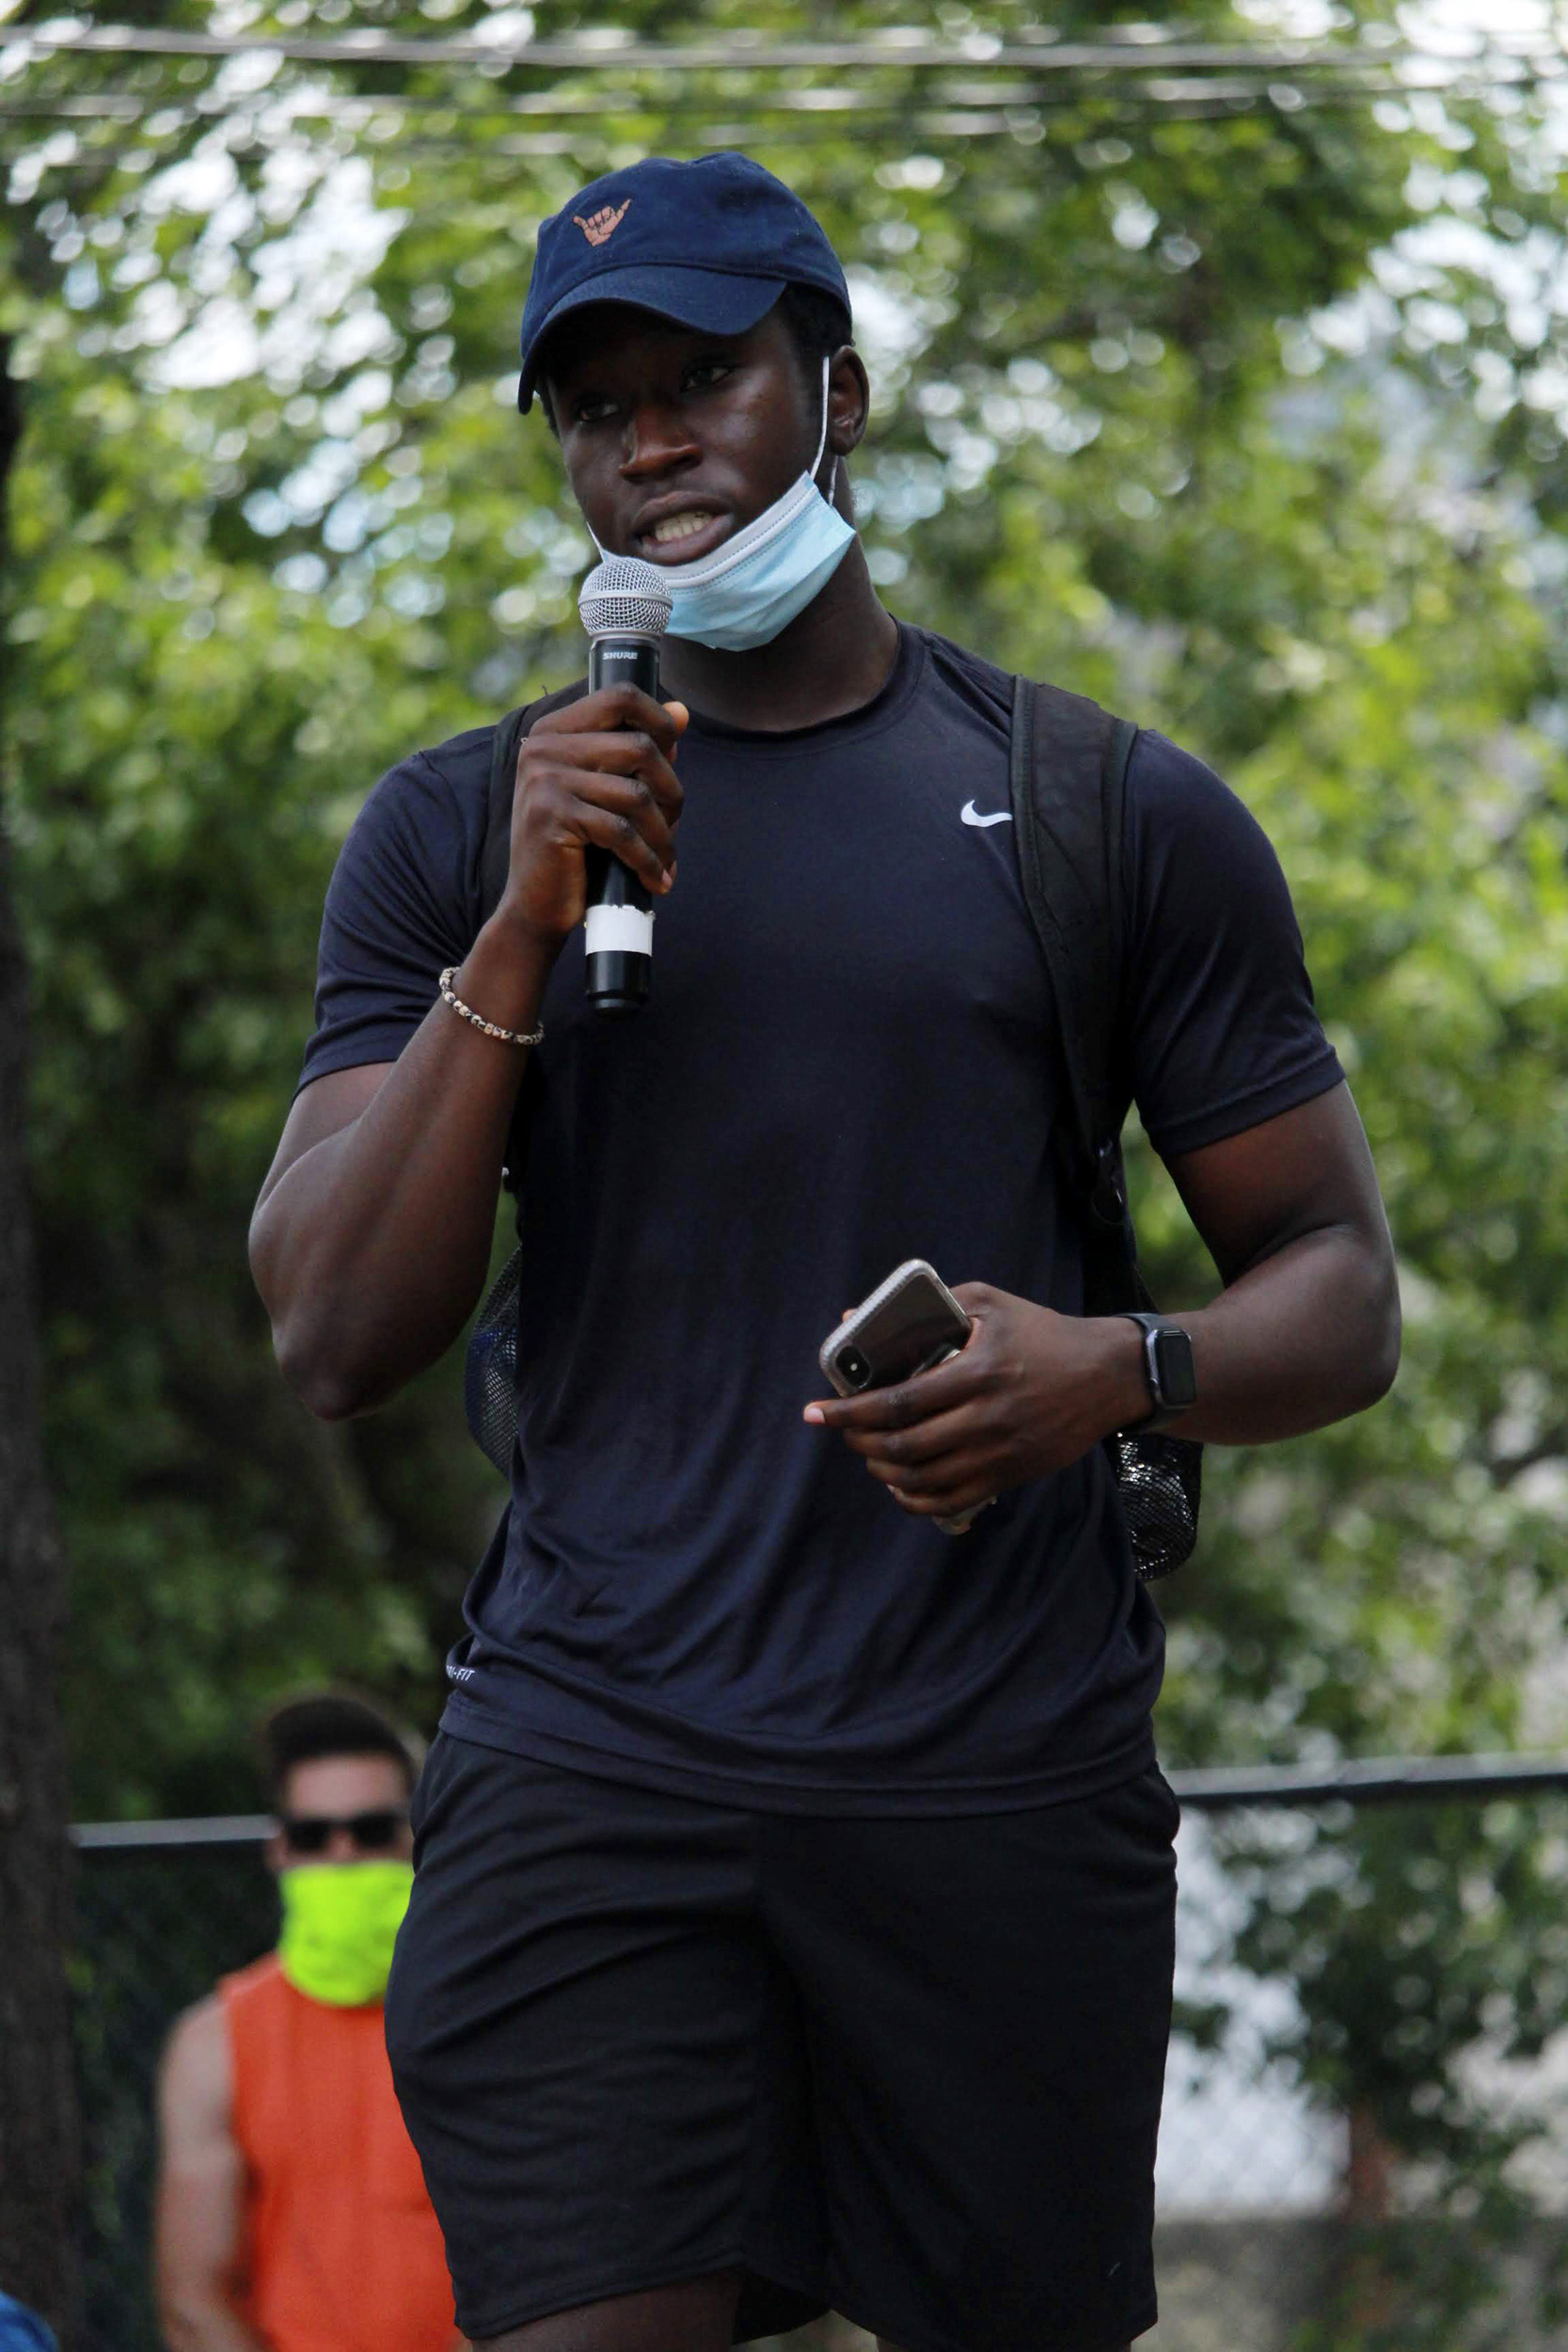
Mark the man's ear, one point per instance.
(849, 401)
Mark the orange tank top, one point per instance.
(343, 2253)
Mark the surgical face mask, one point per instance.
(341, 1920)
(751, 587)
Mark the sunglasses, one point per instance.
(373, 1832)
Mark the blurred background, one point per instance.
(1221, 370)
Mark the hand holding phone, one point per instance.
(908, 1325)
(1027, 1392)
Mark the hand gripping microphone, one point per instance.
(624, 606)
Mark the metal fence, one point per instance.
(163, 1909)
(1366, 2133)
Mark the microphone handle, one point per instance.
(619, 958)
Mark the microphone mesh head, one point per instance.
(624, 598)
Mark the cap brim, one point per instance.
(717, 302)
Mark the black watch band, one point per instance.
(1167, 1368)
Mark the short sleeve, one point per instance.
(403, 904)
(1223, 1032)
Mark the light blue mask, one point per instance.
(751, 587)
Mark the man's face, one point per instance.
(675, 440)
(344, 1808)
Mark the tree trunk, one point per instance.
(1369, 2168)
(39, 2149)
(1369, 2207)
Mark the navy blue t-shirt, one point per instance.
(847, 1061)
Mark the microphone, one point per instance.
(624, 606)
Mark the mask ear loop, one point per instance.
(832, 479)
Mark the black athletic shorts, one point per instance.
(909, 2070)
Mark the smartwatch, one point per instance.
(1167, 1368)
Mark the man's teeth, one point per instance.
(679, 527)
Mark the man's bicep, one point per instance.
(1301, 1172)
(200, 2166)
(323, 1108)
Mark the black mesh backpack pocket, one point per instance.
(490, 1371)
(1160, 1481)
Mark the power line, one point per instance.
(1205, 94)
(361, 113)
(740, 54)
(993, 89)
(781, 121)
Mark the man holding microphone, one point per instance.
(792, 1917)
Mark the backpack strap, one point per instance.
(495, 848)
(1068, 782)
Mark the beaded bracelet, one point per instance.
(491, 1029)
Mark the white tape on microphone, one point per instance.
(620, 932)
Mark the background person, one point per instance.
(805, 1874)
(292, 2215)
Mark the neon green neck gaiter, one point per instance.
(341, 1920)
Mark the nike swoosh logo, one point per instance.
(971, 816)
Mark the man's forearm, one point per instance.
(1306, 1337)
(371, 1249)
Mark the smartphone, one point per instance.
(910, 1323)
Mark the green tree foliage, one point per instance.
(1243, 413)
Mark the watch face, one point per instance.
(1174, 1378)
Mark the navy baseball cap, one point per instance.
(710, 244)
